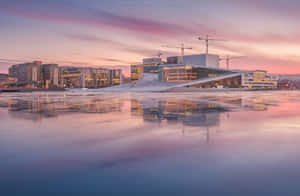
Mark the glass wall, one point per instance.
(185, 73)
(234, 82)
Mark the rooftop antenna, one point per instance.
(207, 40)
(182, 48)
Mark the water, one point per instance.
(238, 143)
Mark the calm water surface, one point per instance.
(238, 143)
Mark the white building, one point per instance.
(198, 60)
(259, 79)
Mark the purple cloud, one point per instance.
(118, 45)
(56, 13)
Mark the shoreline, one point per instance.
(29, 90)
(180, 90)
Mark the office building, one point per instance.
(71, 77)
(78, 77)
(27, 74)
(50, 76)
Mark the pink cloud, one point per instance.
(96, 18)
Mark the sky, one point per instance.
(117, 33)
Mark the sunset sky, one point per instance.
(122, 32)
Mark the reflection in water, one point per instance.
(204, 112)
(186, 114)
(139, 143)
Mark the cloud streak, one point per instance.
(58, 13)
(123, 47)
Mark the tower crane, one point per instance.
(228, 58)
(182, 48)
(207, 40)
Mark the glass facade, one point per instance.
(90, 77)
(185, 73)
(233, 82)
(138, 70)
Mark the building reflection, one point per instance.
(38, 107)
(190, 113)
(204, 112)
(195, 115)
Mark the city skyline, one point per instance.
(115, 33)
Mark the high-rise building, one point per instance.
(49, 77)
(27, 74)
(38, 75)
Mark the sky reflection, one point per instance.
(150, 143)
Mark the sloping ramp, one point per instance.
(150, 83)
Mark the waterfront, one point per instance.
(60, 143)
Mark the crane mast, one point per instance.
(182, 48)
(207, 40)
(228, 58)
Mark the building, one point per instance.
(150, 65)
(3, 77)
(116, 76)
(50, 76)
(71, 77)
(78, 77)
(199, 60)
(136, 72)
(259, 79)
(13, 71)
(35, 75)
(156, 61)
(27, 74)
(187, 73)
(202, 77)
